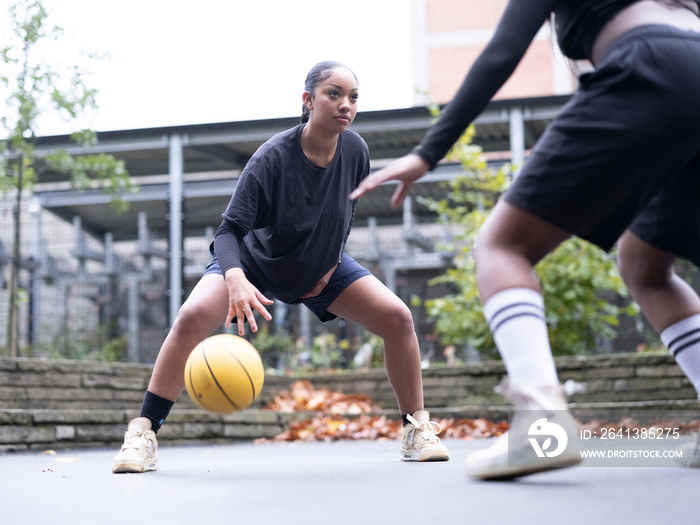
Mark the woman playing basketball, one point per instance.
(283, 236)
(620, 164)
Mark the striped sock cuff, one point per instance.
(682, 334)
(512, 304)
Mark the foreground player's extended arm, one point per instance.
(520, 23)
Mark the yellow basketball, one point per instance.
(224, 373)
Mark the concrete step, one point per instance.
(41, 429)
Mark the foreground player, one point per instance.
(283, 235)
(621, 163)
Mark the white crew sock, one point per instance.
(683, 341)
(516, 319)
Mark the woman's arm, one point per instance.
(243, 297)
(227, 246)
(242, 214)
(519, 24)
(517, 28)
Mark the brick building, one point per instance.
(448, 36)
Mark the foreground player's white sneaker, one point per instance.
(139, 452)
(419, 441)
(543, 435)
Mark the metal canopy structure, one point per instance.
(213, 155)
(187, 174)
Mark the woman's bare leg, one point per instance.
(510, 243)
(668, 302)
(663, 296)
(369, 303)
(202, 313)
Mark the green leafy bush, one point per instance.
(276, 350)
(583, 292)
(95, 346)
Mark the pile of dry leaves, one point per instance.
(303, 397)
(332, 424)
(353, 416)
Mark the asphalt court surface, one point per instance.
(346, 482)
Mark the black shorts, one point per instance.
(625, 150)
(347, 272)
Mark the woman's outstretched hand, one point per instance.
(406, 170)
(243, 298)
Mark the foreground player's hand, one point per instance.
(243, 298)
(406, 171)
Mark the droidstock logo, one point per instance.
(544, 429)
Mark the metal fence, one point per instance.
(84, 295)
(88, 296)
(79, 292)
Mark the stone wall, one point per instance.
(63, 404)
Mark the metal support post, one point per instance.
(517, 138)
(305, 321)
(175, 220)
(134, 346)
(37, 256)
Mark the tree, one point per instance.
(582, 288)
(33, 88)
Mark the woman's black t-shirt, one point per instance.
(289, 219)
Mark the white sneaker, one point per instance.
(419, 441)
(527, 448)
(139, 452)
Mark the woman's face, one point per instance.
(334, 104)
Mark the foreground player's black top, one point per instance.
(577, 22)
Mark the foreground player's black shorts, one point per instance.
(625, 151)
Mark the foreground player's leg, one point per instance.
(202, 313)
(671, 306)
(369, 303)
(509, 245)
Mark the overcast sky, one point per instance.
(178, 62)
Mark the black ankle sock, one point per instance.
(405, 420)
(156, 409)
